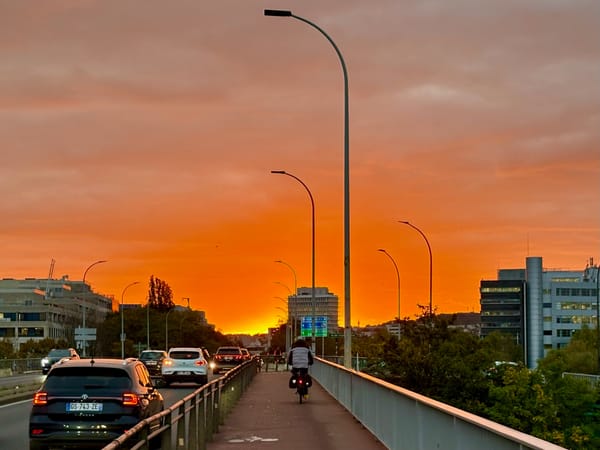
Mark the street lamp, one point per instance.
(293, 309)
(289, 329)
(347, 322)
(312, 205)
(430, 266)
(123, 320)
(83, 302)
(167, 329)
(398, 280)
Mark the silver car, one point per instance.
(185, 364)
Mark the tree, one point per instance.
(160, 295)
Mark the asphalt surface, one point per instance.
(268, 416)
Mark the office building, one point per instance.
(36, 309)
(326, 305)
(541, 308)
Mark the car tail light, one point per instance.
(200, 362)
(37, 431)
(40, 398)
(130, 399)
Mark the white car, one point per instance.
(185, 364)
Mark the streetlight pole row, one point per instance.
(398, 282)
(84, 304)
(123, 319)
(347, 321)
(430, 266)
(312, 205)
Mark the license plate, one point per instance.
(84, 407)
(184, 373)
(151, 363)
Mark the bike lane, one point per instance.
(268, 415)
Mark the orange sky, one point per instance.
(144, 133)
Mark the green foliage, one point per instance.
(38, 349)
(6, 350)
(459, 369)
(185, 328)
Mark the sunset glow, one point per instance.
(144, 134)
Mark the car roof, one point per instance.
(100, 362)
(186, 349)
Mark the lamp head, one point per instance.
(277, 13)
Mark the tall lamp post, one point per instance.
(430, 266)
(123, 320)
(312, 206)
(347, 322)
(382, 250)
(288, 332)
(293, 310)
(167, 329)
(84, 304)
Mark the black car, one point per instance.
(55, 355)
(153, 360)
(226, 358)
(87, 403)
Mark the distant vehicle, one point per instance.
(227, 358)
(246, 354)
(185, 364)
(153, 360)
(87, 403)
(55, 355)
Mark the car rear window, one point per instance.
(229, 351)
(81, 379)
(151, 355)
(179, 354)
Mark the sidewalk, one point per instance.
(268, 416)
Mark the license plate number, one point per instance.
(185, 373)
(84, 407)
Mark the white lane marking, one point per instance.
(252, 439)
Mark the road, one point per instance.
(14, 417)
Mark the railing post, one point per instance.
(193, 424)
(181, 429)
(203, 428)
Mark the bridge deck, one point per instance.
(268, 415)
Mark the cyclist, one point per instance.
(300, 357)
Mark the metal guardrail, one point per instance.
(14, 366)
(190, 423)
(404, 420)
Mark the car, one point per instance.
(55, 355)
(246, 354)
(227, 357)
(153, 360)
(87, 403)
(185, 364)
